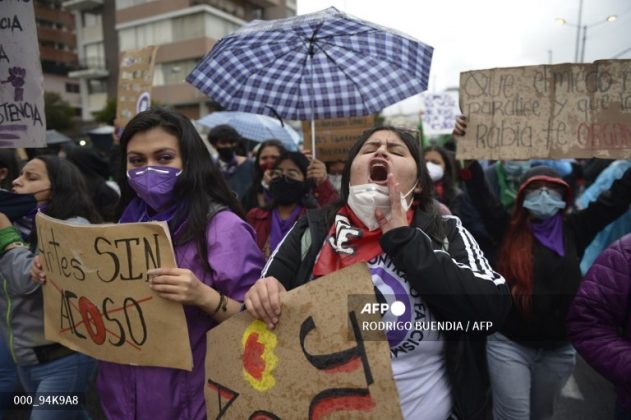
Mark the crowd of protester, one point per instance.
(536, 247)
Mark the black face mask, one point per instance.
(226, 153)
(15, 205)
(287, 191)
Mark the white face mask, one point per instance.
(436, 172)
(336, 180)
(366, 198)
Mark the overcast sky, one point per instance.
(469, 35)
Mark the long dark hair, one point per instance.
(200, 186)
(9, 161)
(69, 196)
(423, 200)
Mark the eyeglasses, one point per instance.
(292, 174)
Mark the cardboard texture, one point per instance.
(549, 112)
(96, 297)
(22, 118)
(135, 78)
(334, 137)
(308, 366)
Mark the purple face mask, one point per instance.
(154, 184)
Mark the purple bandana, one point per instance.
(138, 211)
(549, 233)
(281, 227)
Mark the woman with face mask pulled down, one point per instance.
(295, 186)
(530, 358)
(55, 187)
(168, 175)
(387, 219)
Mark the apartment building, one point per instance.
(58, 50)
(185, 30)
(97, 48)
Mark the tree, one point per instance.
(108, 114)
(59, 113)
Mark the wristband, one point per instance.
(223, 303)
(8, 235)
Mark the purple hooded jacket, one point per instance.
(138, 392)
(596, 322)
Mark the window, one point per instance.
(173, 72)
(95, 55)
(91, 19)
(173, 30)
(217, 27)
(257, 13)
(123, 4)
(141, 36)
(188, 27)
(72, 88)
(97, 86)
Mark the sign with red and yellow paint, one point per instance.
(315, 364)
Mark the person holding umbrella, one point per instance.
(296, 184)
(387, 219)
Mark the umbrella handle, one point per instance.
(313, 148)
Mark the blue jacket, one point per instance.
(617, 228)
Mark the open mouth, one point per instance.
(379, 171)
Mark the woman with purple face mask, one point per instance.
(167, 174)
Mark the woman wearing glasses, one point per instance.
(296, 185)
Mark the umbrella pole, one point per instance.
(313, 149)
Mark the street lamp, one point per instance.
(561, 21)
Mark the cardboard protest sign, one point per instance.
(440, 110)
(315, 363)
(135, 78)
(22, 120)
(96, 297)
(334, 137)
(550, 112)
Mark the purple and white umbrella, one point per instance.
(320, 65)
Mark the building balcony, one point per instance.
(58, 36)
(68, 58)
(81, 5)
(90, 68)
(51, 15)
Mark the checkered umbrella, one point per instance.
(320, 65)
(254, 127)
